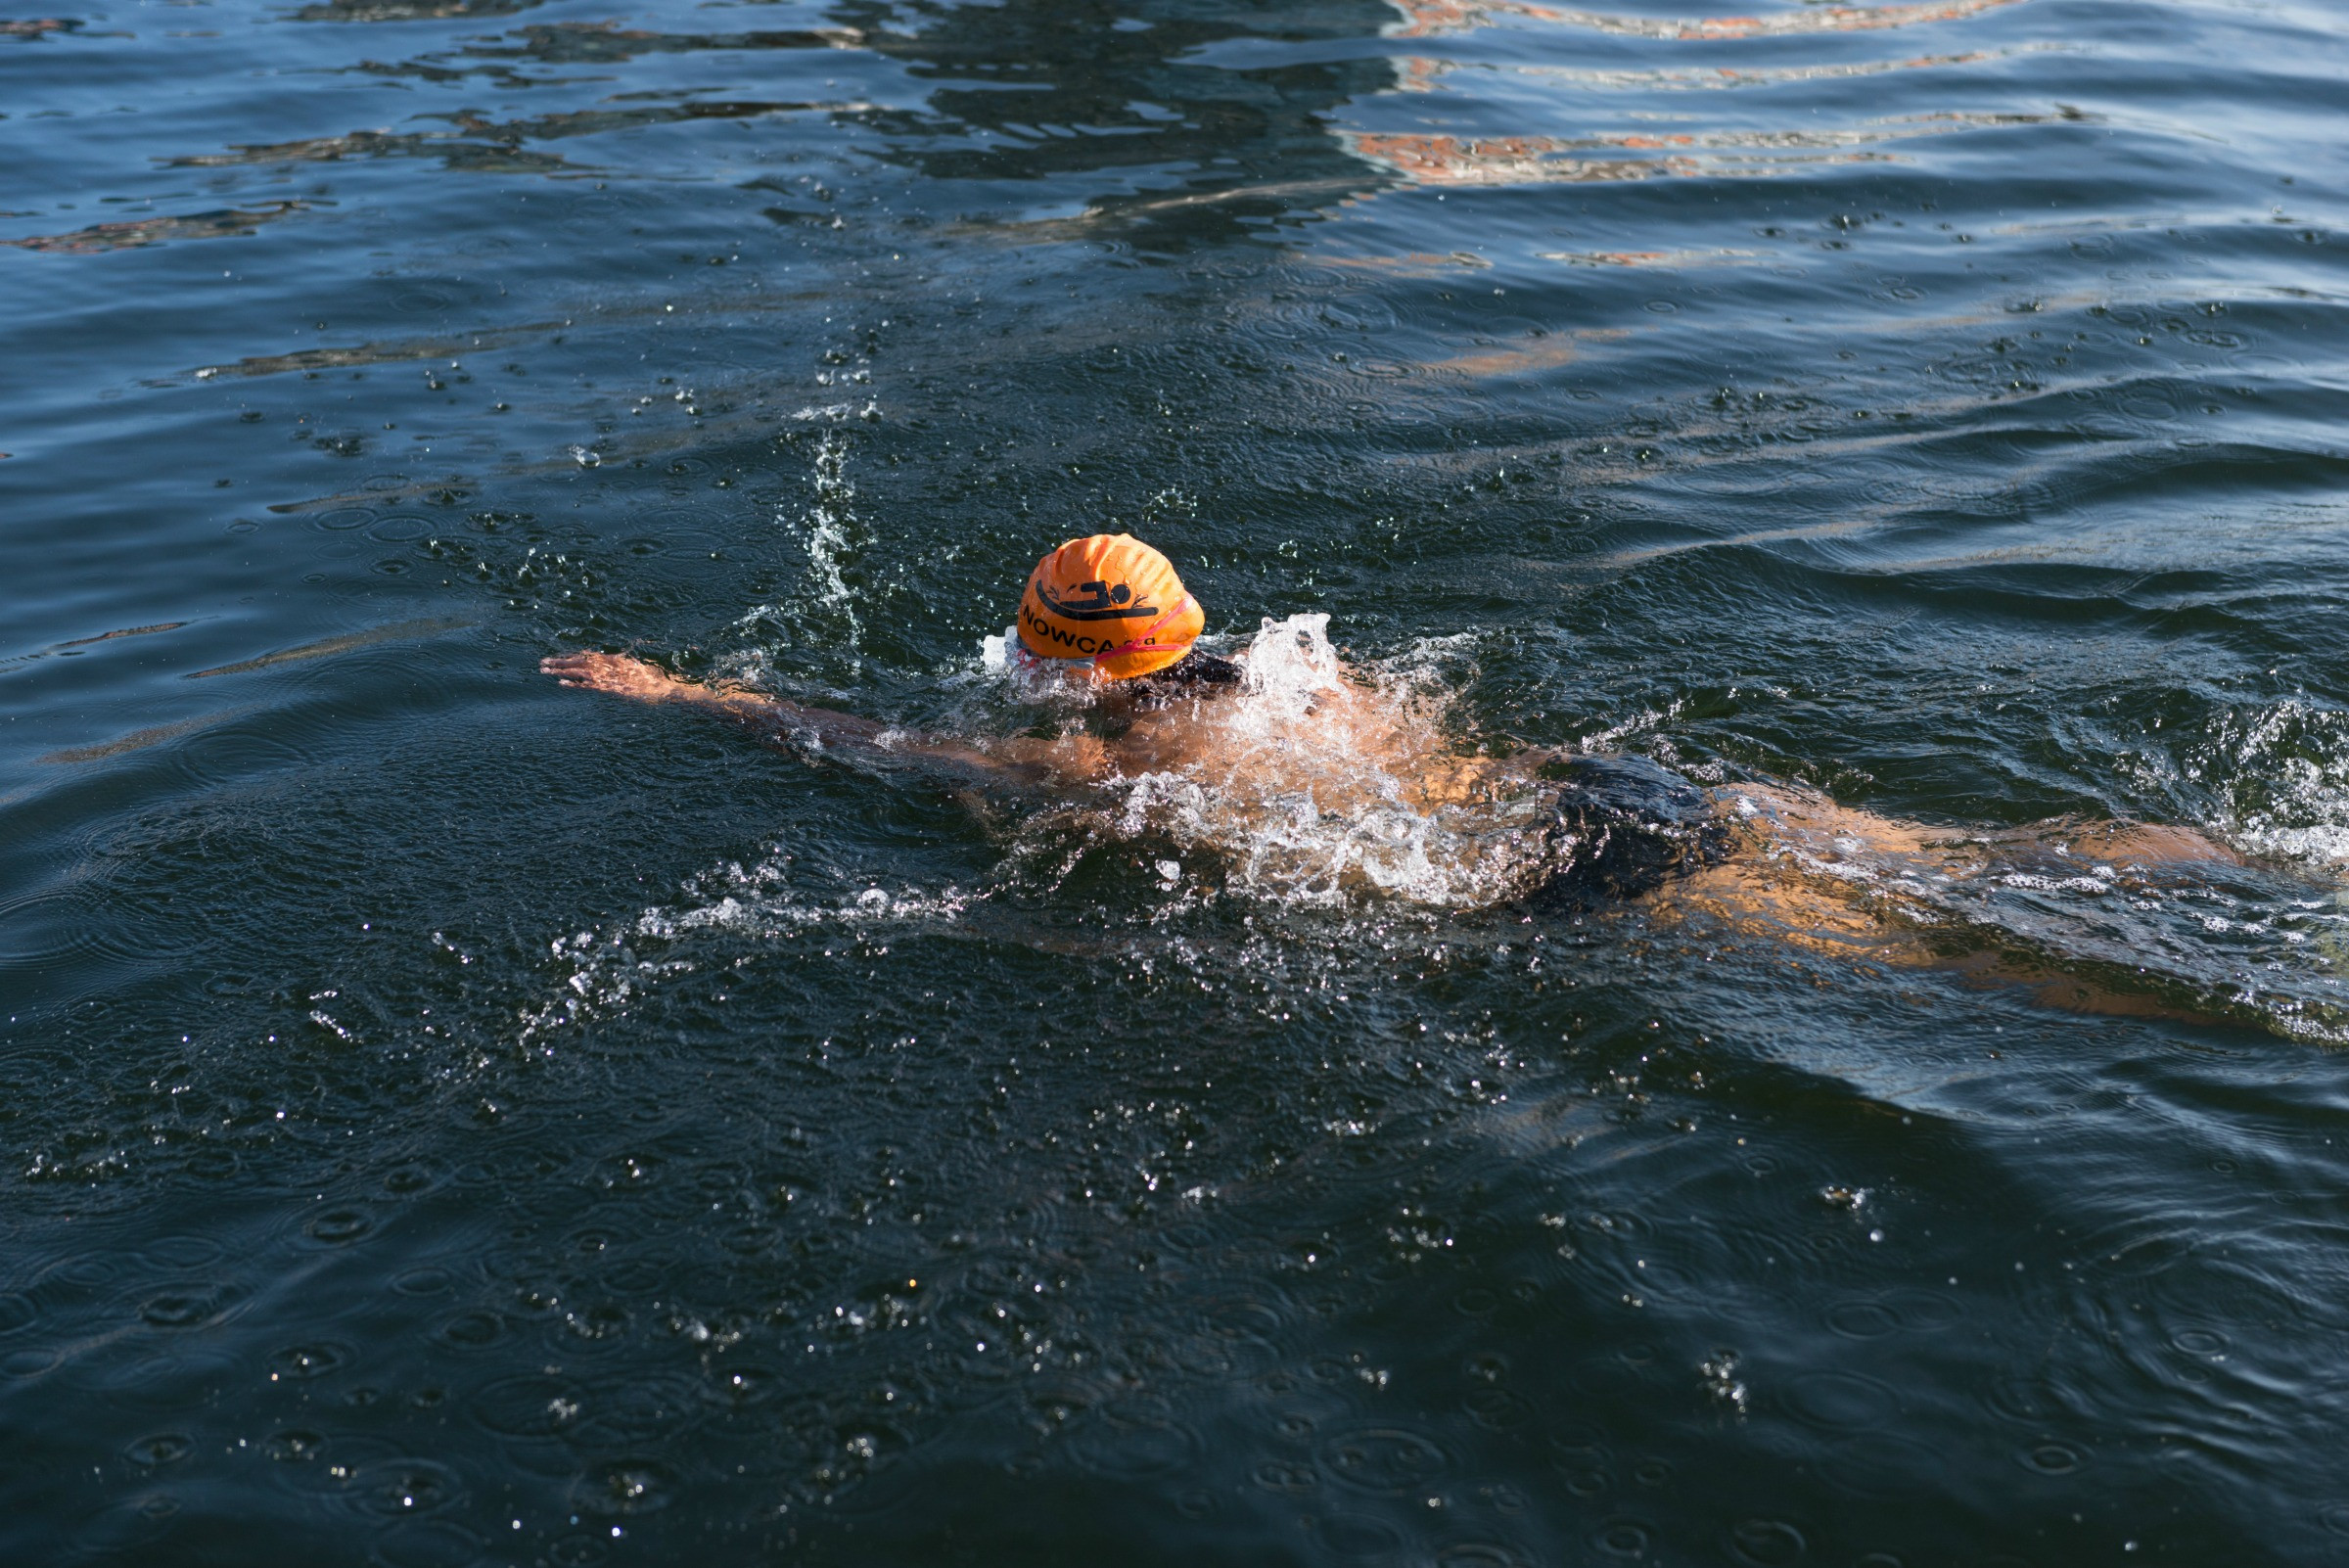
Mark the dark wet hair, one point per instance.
(1626, 826)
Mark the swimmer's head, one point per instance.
(1109, 604)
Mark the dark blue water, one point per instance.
(453, 1119)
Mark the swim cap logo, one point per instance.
(1102, 602)
(1046, 638)
(1111, 599)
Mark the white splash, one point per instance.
(2285, 773)
(1317, 783)
(830, 546)
(821, 613)
(603, 971)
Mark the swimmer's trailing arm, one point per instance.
(783, 723)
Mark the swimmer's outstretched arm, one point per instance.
(784, 723)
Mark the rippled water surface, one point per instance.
(455, 1120)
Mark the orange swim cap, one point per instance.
(1111, 600)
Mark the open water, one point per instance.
(450, 1120)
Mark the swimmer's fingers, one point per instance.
(577, 670)
(587, 665)
(612, 673)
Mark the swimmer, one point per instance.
(1108, 620)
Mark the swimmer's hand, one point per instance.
(621, 674)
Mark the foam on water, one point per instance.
(2283, 772)
(603, 971)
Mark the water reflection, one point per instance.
(130, 234)
(1429, 18)
(1034, 93)
(1441, 159)
(482, 145)
(378, 354)
(1040, 92)
(606, 43)
(409, 9)
(1425, 73)
(1037, 91)
(591, 43)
